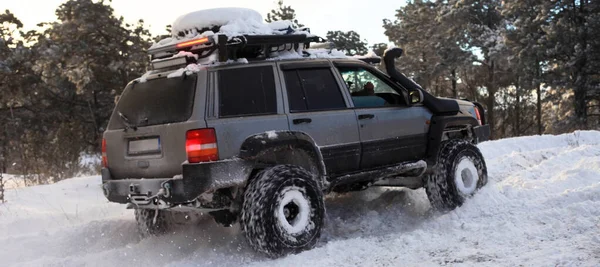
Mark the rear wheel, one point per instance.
(459, 173)
(282, 211)
(152, 222)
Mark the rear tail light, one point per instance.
(201, 145)
(104, 159)
(478, 114)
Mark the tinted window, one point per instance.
(295, 92)
(357, 79)
(247, 91)
(313, 89)
(368, 90)
(156, 101)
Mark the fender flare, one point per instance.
(254, 145)
(436, 133)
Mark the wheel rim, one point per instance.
(466, 176)
(293, 211)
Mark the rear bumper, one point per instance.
(195, 180)
(482, 133)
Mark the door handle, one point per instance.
(366, 116)
(302, 120)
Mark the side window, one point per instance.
(247, 91)
(368, 90)
(313, 90)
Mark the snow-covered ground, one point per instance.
(540, 208)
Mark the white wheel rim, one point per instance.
(466, 176)
(301, 218)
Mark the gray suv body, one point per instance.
(262, 143)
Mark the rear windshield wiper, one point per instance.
(126, 122)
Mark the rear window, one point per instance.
(157, 101)
(247, 91)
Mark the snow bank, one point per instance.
(12, 181)
(540, 208)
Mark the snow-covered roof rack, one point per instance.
(251, 47)
(369, 58)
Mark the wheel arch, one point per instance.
(447, 127)
(284, 147)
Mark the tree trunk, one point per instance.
(491, 114)
(539, 108)
(581, 78)
(4, 148)
(518, 108)
(491, 100)
(93, 115)
(454, 89)
(506, 117)
(538, 91)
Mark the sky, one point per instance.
(364, 17)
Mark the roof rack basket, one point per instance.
(252, 47)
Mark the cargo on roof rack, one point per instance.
(243, 46)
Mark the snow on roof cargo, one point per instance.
(209, 18)
(233, 35)
(234, 48)
(235, 24)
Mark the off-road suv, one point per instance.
(262, 142)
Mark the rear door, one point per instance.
(245, 98)
(145, 137)
(390, 130)
(316, 106)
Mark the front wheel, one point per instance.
(459, 173)
(282, 211)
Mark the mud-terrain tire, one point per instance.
(458, 174)
(151, 224)
(282, 211)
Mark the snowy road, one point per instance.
(540, 208)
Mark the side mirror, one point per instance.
(415, 96)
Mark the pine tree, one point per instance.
(527, 41)
(19, 88)
(432, 56)
(58, 92)
(412, 31)
(555, 43)
(348, 42)
(480, 27)
(574, 47)
(283, 12)
(379, 49)
(89, 55)
(10, 50)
